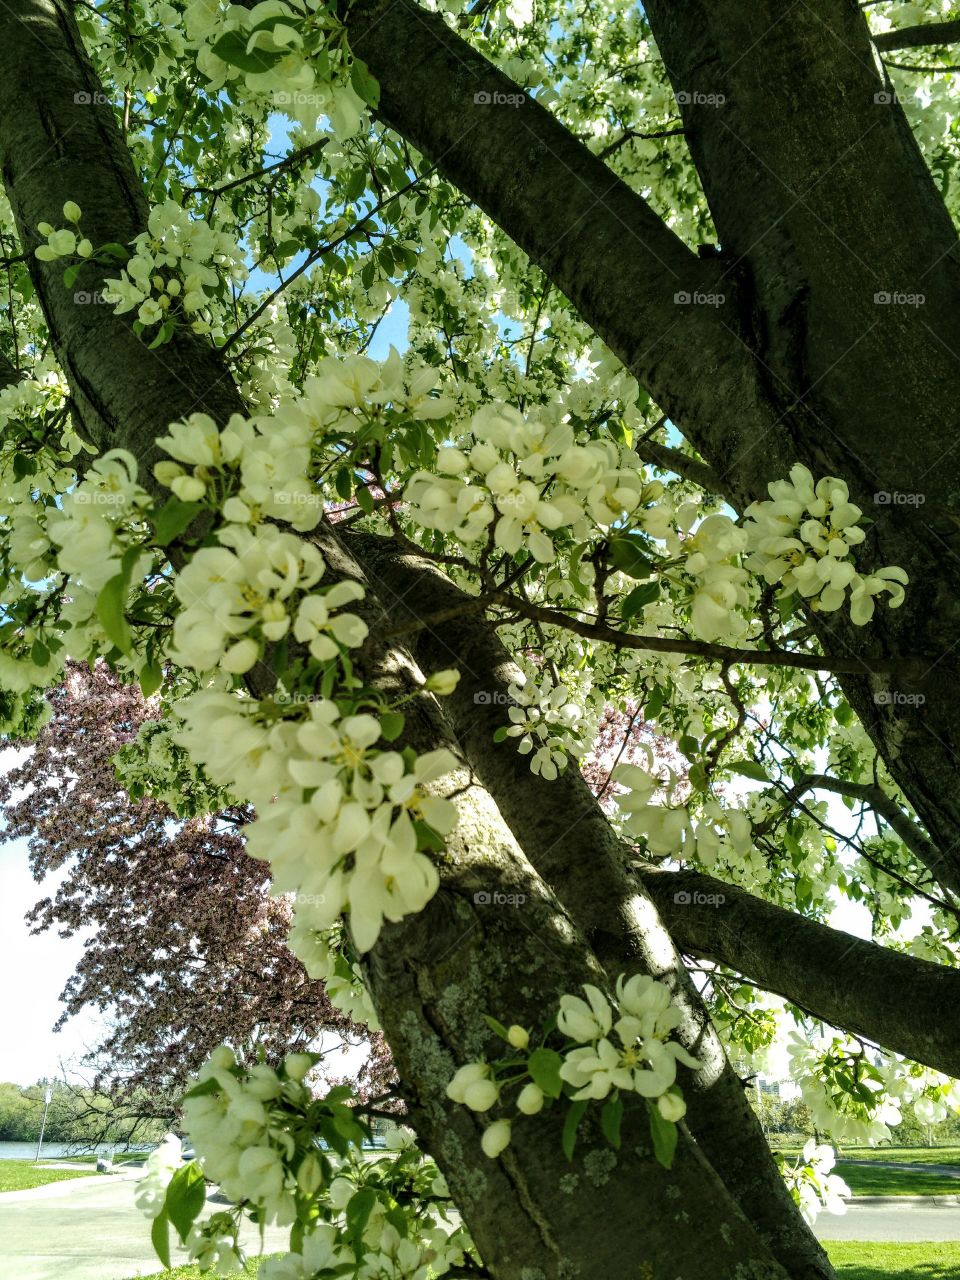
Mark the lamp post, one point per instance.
(47, 1098)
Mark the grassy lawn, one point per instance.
(856, 1260)
(867, 1180)
(191, 1273)
(908, 1155)
(20, 1175)
(853, 1260)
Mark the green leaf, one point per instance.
(151, 678)
(232, 48)
(186, 1196)
(658, 697)
(496, 1027)
(610, 1118)
(343, 483)
(391, 725)
(365, 500)
(359, 1207)
(698, 777)
(160, 1238)
(631, 555)
(164, 334)
(500, 734)
(645, 594)
(688, 745)
(751, 769)
(172, 518)
(365, 86)
(111, 603)
(544, 1067)
(39, 654)
(664, 1134)
(570, 1126)
(70, 275)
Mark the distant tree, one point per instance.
(188, 948)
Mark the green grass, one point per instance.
(20, 1175)
(857, 1260)
(906, 1155)
(853, 1260)
(192, 1273)
(869, 1180)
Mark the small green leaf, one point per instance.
(111, 603)
(160, 1238)
(365, 86)
(658, 697)
(610, 1119)
(39, 654)
(391, 725)
(365, 500)
(70, 275)
(232, 48)
(688, 745)
(544, 1067)
(186, 1196)
(570, 1126)
(359, 1207)
(151, 678)
(664, 1134)
(631, 555)
(172, 518)
(500, 734)
(640, 596)
(496, 1027)
(751, 769)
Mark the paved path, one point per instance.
(86, 1229)
(913, 1221)
(950, 1170)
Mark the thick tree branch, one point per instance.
(891, 998)
(568, 838)
(922, 35)
(878, 800)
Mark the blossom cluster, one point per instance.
(340, 821)
(273, 1147)
(803, 537)
(550, 722)
(813, 1185)
(722, 834)
(528, 483)
(614, 1047)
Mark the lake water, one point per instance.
(54, 1150)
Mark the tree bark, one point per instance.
(886, 996)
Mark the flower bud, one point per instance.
(518, 1036)
(443, 682)
(71, 211)
(496, 1138)
(530, 1100)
